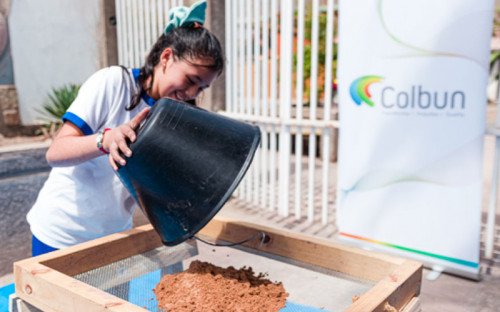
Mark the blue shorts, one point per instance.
(39, 248)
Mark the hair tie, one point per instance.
(193, 16)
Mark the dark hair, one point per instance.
(186, 42)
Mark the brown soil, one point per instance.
(206, 287)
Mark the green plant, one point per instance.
(52, 112)
(321, 52)
(494, 56)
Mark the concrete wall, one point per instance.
(54, 43)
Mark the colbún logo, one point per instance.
(359, 89)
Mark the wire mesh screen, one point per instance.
(310, 288)
(134, 278)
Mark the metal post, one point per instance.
(285, 88)
(490, 221)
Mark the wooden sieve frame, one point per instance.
(46, 281)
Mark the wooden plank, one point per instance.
(350, 260)
(397, 288)
(43, 281)
(96, 253)
(52, 291)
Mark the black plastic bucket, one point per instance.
(186, 163)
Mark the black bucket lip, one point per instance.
(229, 192)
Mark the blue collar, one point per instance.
(149, 100)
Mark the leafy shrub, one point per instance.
(321, 53)
(59, 101)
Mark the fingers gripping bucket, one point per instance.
(185, 164)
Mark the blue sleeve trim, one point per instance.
(149, 100)
(136, 72)
(80, 123)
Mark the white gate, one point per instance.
(139, 24)
(265, 85)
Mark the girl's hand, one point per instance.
(115, 139)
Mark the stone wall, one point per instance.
(10, 122)
(9, 105)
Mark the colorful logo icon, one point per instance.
(359, 89)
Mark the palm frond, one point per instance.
(51, 113)
(60, 100)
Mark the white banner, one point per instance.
(412, 90)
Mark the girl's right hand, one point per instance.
(115, 140)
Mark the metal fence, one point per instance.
(263, 88)
(139, 24)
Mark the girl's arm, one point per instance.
(71, 147)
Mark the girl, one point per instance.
(83, 199)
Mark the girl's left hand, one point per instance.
(115, 140)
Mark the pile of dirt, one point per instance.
(206, 287)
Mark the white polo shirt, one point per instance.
(88, 201)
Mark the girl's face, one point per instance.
(180, 79)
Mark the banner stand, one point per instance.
(435, 268)
(412, 79)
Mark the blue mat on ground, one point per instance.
(294, 307)
(5, 292)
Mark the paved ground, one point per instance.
(22, 174)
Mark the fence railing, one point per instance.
(264, 88)
(139, 24)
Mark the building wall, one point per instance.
(55, 43)
(6, 74)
